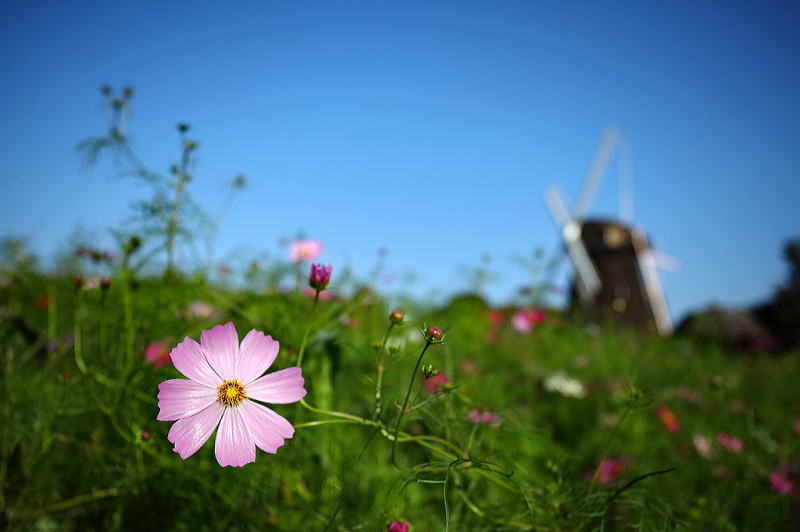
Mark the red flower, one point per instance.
(669, 419)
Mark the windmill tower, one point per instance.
(615, 268)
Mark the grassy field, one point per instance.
(565, 427)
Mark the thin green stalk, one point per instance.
(405, 404)
(381, 368)
(77, 340)
(307, 331)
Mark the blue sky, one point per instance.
(429, 128)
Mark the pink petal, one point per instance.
(234, 446)
(284, 386)
(268, 428)
(256, 355)
(221, 347)
(190, 433)
(180, 398)
(188, 358)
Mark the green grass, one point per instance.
(75, 420)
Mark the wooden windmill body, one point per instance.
(615, 273)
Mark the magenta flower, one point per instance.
(783, 480)
(525, 319)
(307, 250)
(436, 383)
(483, 417)
(732, 444)
(157, 353)
(320, 276)
(611, 468)
(397, 526)
(224, 377)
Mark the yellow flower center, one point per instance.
(230, 393)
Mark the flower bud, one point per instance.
(429, 371)
(397, 317)
(77, 282)
(433, 334)
(146, 435)
(320, 276)
(105, 284)
(394, 349)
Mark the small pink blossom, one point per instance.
(436, 383)
(783, 481)
(305, 250)
(732, 444)
(199, 310)
(525, 319)
(157, 353)
(483, 417)
(225, 378)
(398, 526)
(610, 468)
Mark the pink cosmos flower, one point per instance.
(669, 419)
(732, 444)
(783, 481)
(398, 526)
(307, 250)
(436, 383)
(224, 379)
(610, 468)
(157, 353)
(525, 319)
(483, 417)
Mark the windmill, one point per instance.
(615, 268)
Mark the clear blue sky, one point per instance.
(431, 128)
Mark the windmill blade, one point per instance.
(652, 285)
(588, 281)
(595, 173)
(558, 209)
(664, 262)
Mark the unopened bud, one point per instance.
(127, 91)
(106, 89)
(77, 282)
(183, 127)
(320, 276)
(397, 317)
(105, 284)
(394, 349)
(433, 334)
(429, 371)
(146, 435)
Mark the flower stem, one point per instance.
(381, 368)
(405, 404)
(308, 330)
